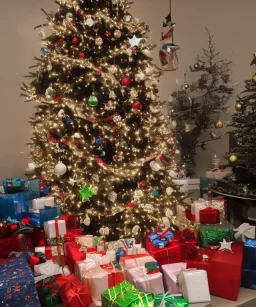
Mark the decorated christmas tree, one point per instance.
(99, 139)
(197, 107)
(242, 155)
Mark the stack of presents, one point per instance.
(47, 261)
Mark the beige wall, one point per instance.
(231, 21)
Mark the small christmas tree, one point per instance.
(242, 156)
(99, 139)
(196, 108)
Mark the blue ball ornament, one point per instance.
(44, 51)
(67, 120)
(155, 193)
(99, 142)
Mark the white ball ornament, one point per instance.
(169, 191)
(31, 166)
(155, 166)
(60, 169)
(150, 70)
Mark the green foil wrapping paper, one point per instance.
(214, 234)
(126, 295)
(167, 300)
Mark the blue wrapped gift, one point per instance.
(120, 253)
(248, 279)
(38, 217)
(13, 205)
(249, 255)
(17, 285)
(15, 185)
(33, 185)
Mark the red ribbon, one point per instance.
(95, 119)
(61, 258)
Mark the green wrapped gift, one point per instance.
(126, 295)
(49, 295)
(214, 234)
(167, 300)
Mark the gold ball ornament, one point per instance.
(186, 86)
(218, 124)
(196, 66)
(238, 107)
(117, 34)
(254, 78)
(233, 158)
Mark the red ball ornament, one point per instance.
(37, 115)
(126, 81)
(75, 41)
(142, 184)
(81, 54)
(136, 106)
(156, 91)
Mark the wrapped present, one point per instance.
(71, 234)
(249, 255)
(173, 252)
(145, 282)
(48, 292)
(171, 276)
(33, 186)
(168, 300)
(85, 241)
(209, 216)
(41, 203)
(39, 235)
(189, 215)
(126, 294)
(114, 245)
(17, 286)
(55, 229)
(18, 243)
(101, 275)
(8, 229)
(15, 185)
(112, 255)
(245, 232)
(219, 204)
(71, 221)
(223, 270)
(39, 217)
(13, 205)
(72, 292)
(120, 253)
(194, 286)
(55, 253)
(213, 234)
(248, 279)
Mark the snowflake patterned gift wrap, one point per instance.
(17, 286)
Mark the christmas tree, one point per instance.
(99, 139)
(242, 155)
(196, 107)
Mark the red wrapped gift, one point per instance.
(71, 222)
(40, 239)
(72, 292)
(71, 234)
(54, 253)
(188, 213)
(8, 229)
(20, 243)
(223, 270)
(209, 216)
(172, 253)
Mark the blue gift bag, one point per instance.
(249, 255)
(248, 279)
(14, 205)
(43, 215)
(17, 285)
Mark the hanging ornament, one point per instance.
(117, 34)
(67, 120)
(99, 142)
(112, 95)
(42, 33)
(187, 128)
(69, 17)
(155, 193)
(72, 181)
(142, 185)
(136, 230)
(49, 93)
(136, 106)
(44, 51)
(87, 193)
(75, 41)
(215, 161)
(134, 94)
(113, 69)
(134, 41)
(225, 246)
(89, 22)
(238, 107)
(140, 76)
(126, 81)
(169, 191)
(150, 70)
(112, 196)
(60, 169)
(127, 18)
(81, 54)
(233, 158)
(87, 221)
(186, 86)
(254, 78)
(93, 100)
(31, 167)
(218, 124)
(98, 41)
(61, 113)
(49, 67)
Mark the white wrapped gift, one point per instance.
(219, 174)
(245, 232)
(171, 276)
(41, 203)
(50, 228)
(146, 282)
(129, 263)
(112, 255)
(93, 259)
(85, 241)
(200, 204)
(194, 286)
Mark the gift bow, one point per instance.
(169, 300)
(94, 261)
(246, 231)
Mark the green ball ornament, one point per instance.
(93, 101)
(254, 78)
